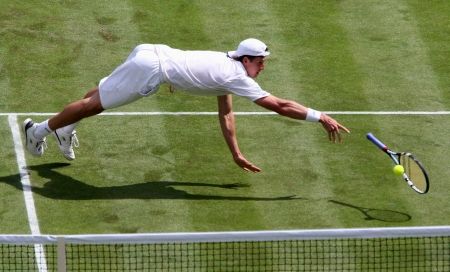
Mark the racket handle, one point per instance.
(377, 142)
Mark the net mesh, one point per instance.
(27, 257)
(334, 254)
(401, 254)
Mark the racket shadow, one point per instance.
(377, 214)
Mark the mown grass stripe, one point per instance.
(393, 59)
(396, 73)
(432, 22)
(27, 193)
(178, 24)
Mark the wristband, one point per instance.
(313, 115)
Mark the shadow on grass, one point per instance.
(65, 187)
(377, 214)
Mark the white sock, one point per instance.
(42, 130)
(68, 129)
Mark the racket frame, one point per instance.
(395, 157)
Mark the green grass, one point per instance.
(107, 191)
(168, 173)
(12, 207)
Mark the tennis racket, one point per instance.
(415, 174)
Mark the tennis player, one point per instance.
(197, 72)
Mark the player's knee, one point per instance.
(91, 92)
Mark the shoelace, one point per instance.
(42, 144)
(74, 140)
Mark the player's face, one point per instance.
(253, 67)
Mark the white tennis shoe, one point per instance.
(66, 142)
(34, 145)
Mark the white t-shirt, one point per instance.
(206, 73)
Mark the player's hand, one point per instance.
(246, 165)
(333, 128)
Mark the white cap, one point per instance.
(250, 47)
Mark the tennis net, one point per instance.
(374, 249)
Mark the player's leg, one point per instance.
(140, 75)
(88, 106)
(66, 137)
(70, 128)
(62, 125)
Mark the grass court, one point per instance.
(174, 173)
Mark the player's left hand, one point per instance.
(246, 165)
(333, 128)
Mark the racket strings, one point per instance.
(414, 171)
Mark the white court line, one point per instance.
(27, 193)
(244, 113)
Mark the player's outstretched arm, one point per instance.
(294, 110)
(227, 124)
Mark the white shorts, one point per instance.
(140, 75)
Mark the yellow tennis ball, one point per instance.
(398, 170)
